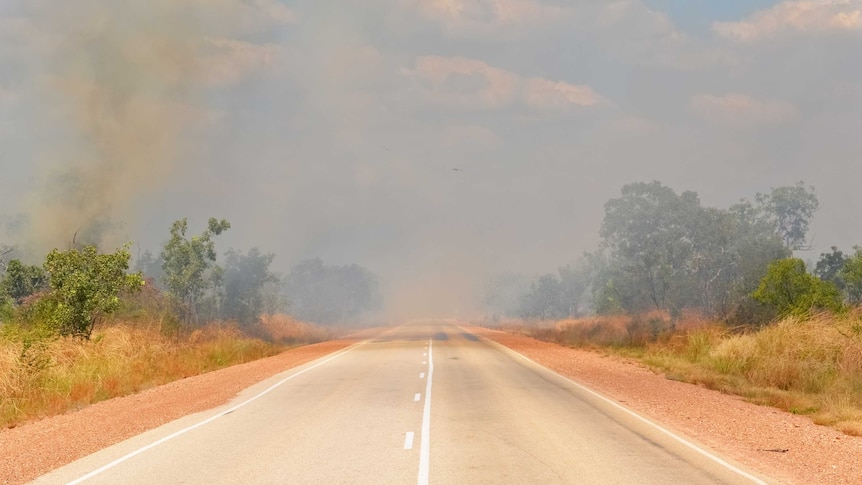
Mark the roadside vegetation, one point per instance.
(83, 327)
(715, 297)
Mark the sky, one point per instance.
(332, 129)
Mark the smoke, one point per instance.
(120, 85)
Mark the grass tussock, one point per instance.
(46, 376)
(811, 367)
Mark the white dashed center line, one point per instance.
(417, 397)
(408, 441)
(425, 446)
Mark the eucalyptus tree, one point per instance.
(189, 263)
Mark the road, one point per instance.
(426, 402)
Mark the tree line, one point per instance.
(75, 289)
(663, 250)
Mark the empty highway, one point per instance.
(425, 402)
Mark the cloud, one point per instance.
(458, 82)
(485, 16)
(799, 17)
(740, 110)
(238, 17)
(550, 95)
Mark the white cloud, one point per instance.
(544, 94)
(803, 16)
(468, 83)
(739, 110)
(473, 17)
(461, 82)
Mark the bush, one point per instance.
(792, 291)
(85, 286)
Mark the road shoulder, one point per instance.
(35, 448)
(752, 435)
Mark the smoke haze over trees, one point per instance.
(333, 133)
(665, 251)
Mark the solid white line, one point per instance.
(206, 421)
(421, 375)
(425, 449)
(408, 441)
(417, 397)
(628, 411)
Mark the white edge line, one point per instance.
(208, 420)
(425, 448)
(628, 411)
(408, 440)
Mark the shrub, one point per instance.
(792, 291)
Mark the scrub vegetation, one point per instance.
(82, 327)
(715, 297)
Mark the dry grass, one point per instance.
(43, 377)
(811, 367)
(285, 330)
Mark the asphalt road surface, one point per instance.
(423, 403)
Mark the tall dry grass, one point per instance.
(286, 330)
(811, 366)
(46, 376)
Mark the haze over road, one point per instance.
(426, 402)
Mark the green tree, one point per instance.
(22, 280)
(245, 276)
(85, 286)
(851, 276)
(829, 267)
(791, 290)
(188, 263)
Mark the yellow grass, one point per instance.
(811, 367)
(285, 330)
(51, 376)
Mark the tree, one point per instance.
(504, 292)
(151, 266)
(331, 294)
(851, 276)
(648, 233)
(188, 262)
(555, 296)
(245, 276)
(545, 299)
(829, 267)
(85, 286)
(22, 280)
(790, 210)
(791, 290)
